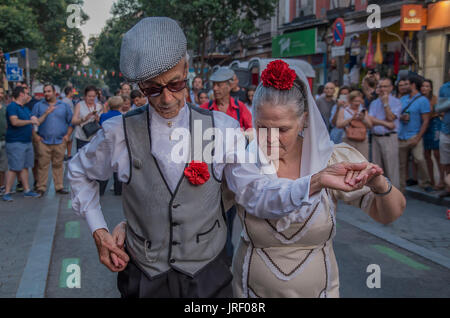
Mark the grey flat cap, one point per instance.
(222, 74)
(153, 46)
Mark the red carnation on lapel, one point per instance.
(197, 172)
(278, 75)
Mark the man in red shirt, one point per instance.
(224, 102)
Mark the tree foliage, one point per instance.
(42, 25)
(201, 20)
(106, 47)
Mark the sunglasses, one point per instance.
(154, 91)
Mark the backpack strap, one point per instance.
(210, 105)
(236, 101)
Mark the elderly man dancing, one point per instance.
(175, 223)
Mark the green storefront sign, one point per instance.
(295, 43)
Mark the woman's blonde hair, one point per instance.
(353, 95)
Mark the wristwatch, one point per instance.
(387, 105)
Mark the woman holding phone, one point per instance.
(86, 111)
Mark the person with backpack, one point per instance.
(414, 120)
(355, 121)
(223, 101)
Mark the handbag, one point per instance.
(91, 128)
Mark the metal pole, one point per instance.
(28, 67)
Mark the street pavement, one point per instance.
(43, 243)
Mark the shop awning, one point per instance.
(361, 27)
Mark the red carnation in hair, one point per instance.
(278, 75)
(197, 172)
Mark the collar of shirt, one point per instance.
(232, 104)
(408, 97)
(179, 120)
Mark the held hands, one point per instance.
(110, 254)
(346, 176)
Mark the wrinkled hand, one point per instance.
(371, 173)
(343, 176)
(119, 234)
(109, 253)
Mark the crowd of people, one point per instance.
(36, 133)
(397, 125)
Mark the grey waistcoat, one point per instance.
(184, 230)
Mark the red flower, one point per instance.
(278, 75)
(197, 172)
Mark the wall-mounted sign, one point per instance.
(413, 17)
(337, 51)
(438, 15)
(295, 44)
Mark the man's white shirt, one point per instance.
(107, 153)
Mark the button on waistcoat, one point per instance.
(184, 230)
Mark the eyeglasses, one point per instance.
(156, 90)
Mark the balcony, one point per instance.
(339, 12)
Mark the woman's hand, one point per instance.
(373, 173)
(113, 257)
(119, 234)
(344, 176)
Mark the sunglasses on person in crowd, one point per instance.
(156, 90)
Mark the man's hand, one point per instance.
(414, 141)
(50, 109)
(34, 120)
(109, 253)
(404, 117)
(385, 98)
(66, 138)
(119, 234)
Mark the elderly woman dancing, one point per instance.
(293, 256)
